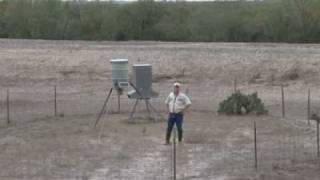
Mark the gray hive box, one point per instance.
(120, 72)
(142, 80)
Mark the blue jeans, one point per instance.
(175, 119)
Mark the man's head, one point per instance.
(176, 88)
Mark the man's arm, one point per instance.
(168, 109)
(167, 104)
(188, 104)
(186, 108)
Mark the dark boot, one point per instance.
(168, 135)
(180, 132)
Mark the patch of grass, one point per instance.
(195, 138)
(122, 156)
(61, 115)
(291, 75)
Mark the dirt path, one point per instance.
(150, 160)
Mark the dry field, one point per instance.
(37, 145)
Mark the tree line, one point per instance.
(237, 21)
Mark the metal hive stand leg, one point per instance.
(148, 109)
(103, 110)
(147, 105)
(119, 103)
(133, 109)
(155, 111)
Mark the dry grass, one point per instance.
(68, 148)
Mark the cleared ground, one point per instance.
(38, 146)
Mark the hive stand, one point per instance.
(152, 112)
(104, 107)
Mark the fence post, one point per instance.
(309, 106)
(255, 146)
(8, 106)
(283, 105)
(318, 148)
(174, 155)
(235, 85)
(55, 101)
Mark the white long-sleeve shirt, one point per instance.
(177, 103)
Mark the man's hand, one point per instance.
(185, 110)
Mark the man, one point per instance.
(177, 104)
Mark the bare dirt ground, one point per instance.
(38, 146)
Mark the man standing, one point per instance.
(177, 104)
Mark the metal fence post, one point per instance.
(309, 107)
(255, 146)
(318, 138)
(8, 106)
(283, 104)
(174, 155)
(235, 85)
(55, 101)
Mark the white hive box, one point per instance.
(120, 72)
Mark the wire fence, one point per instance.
(294, 143)
(30, 103)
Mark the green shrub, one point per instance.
(239, 103)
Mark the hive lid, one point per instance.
(118, 60)
(142, 65)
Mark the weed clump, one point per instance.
(239, 103)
